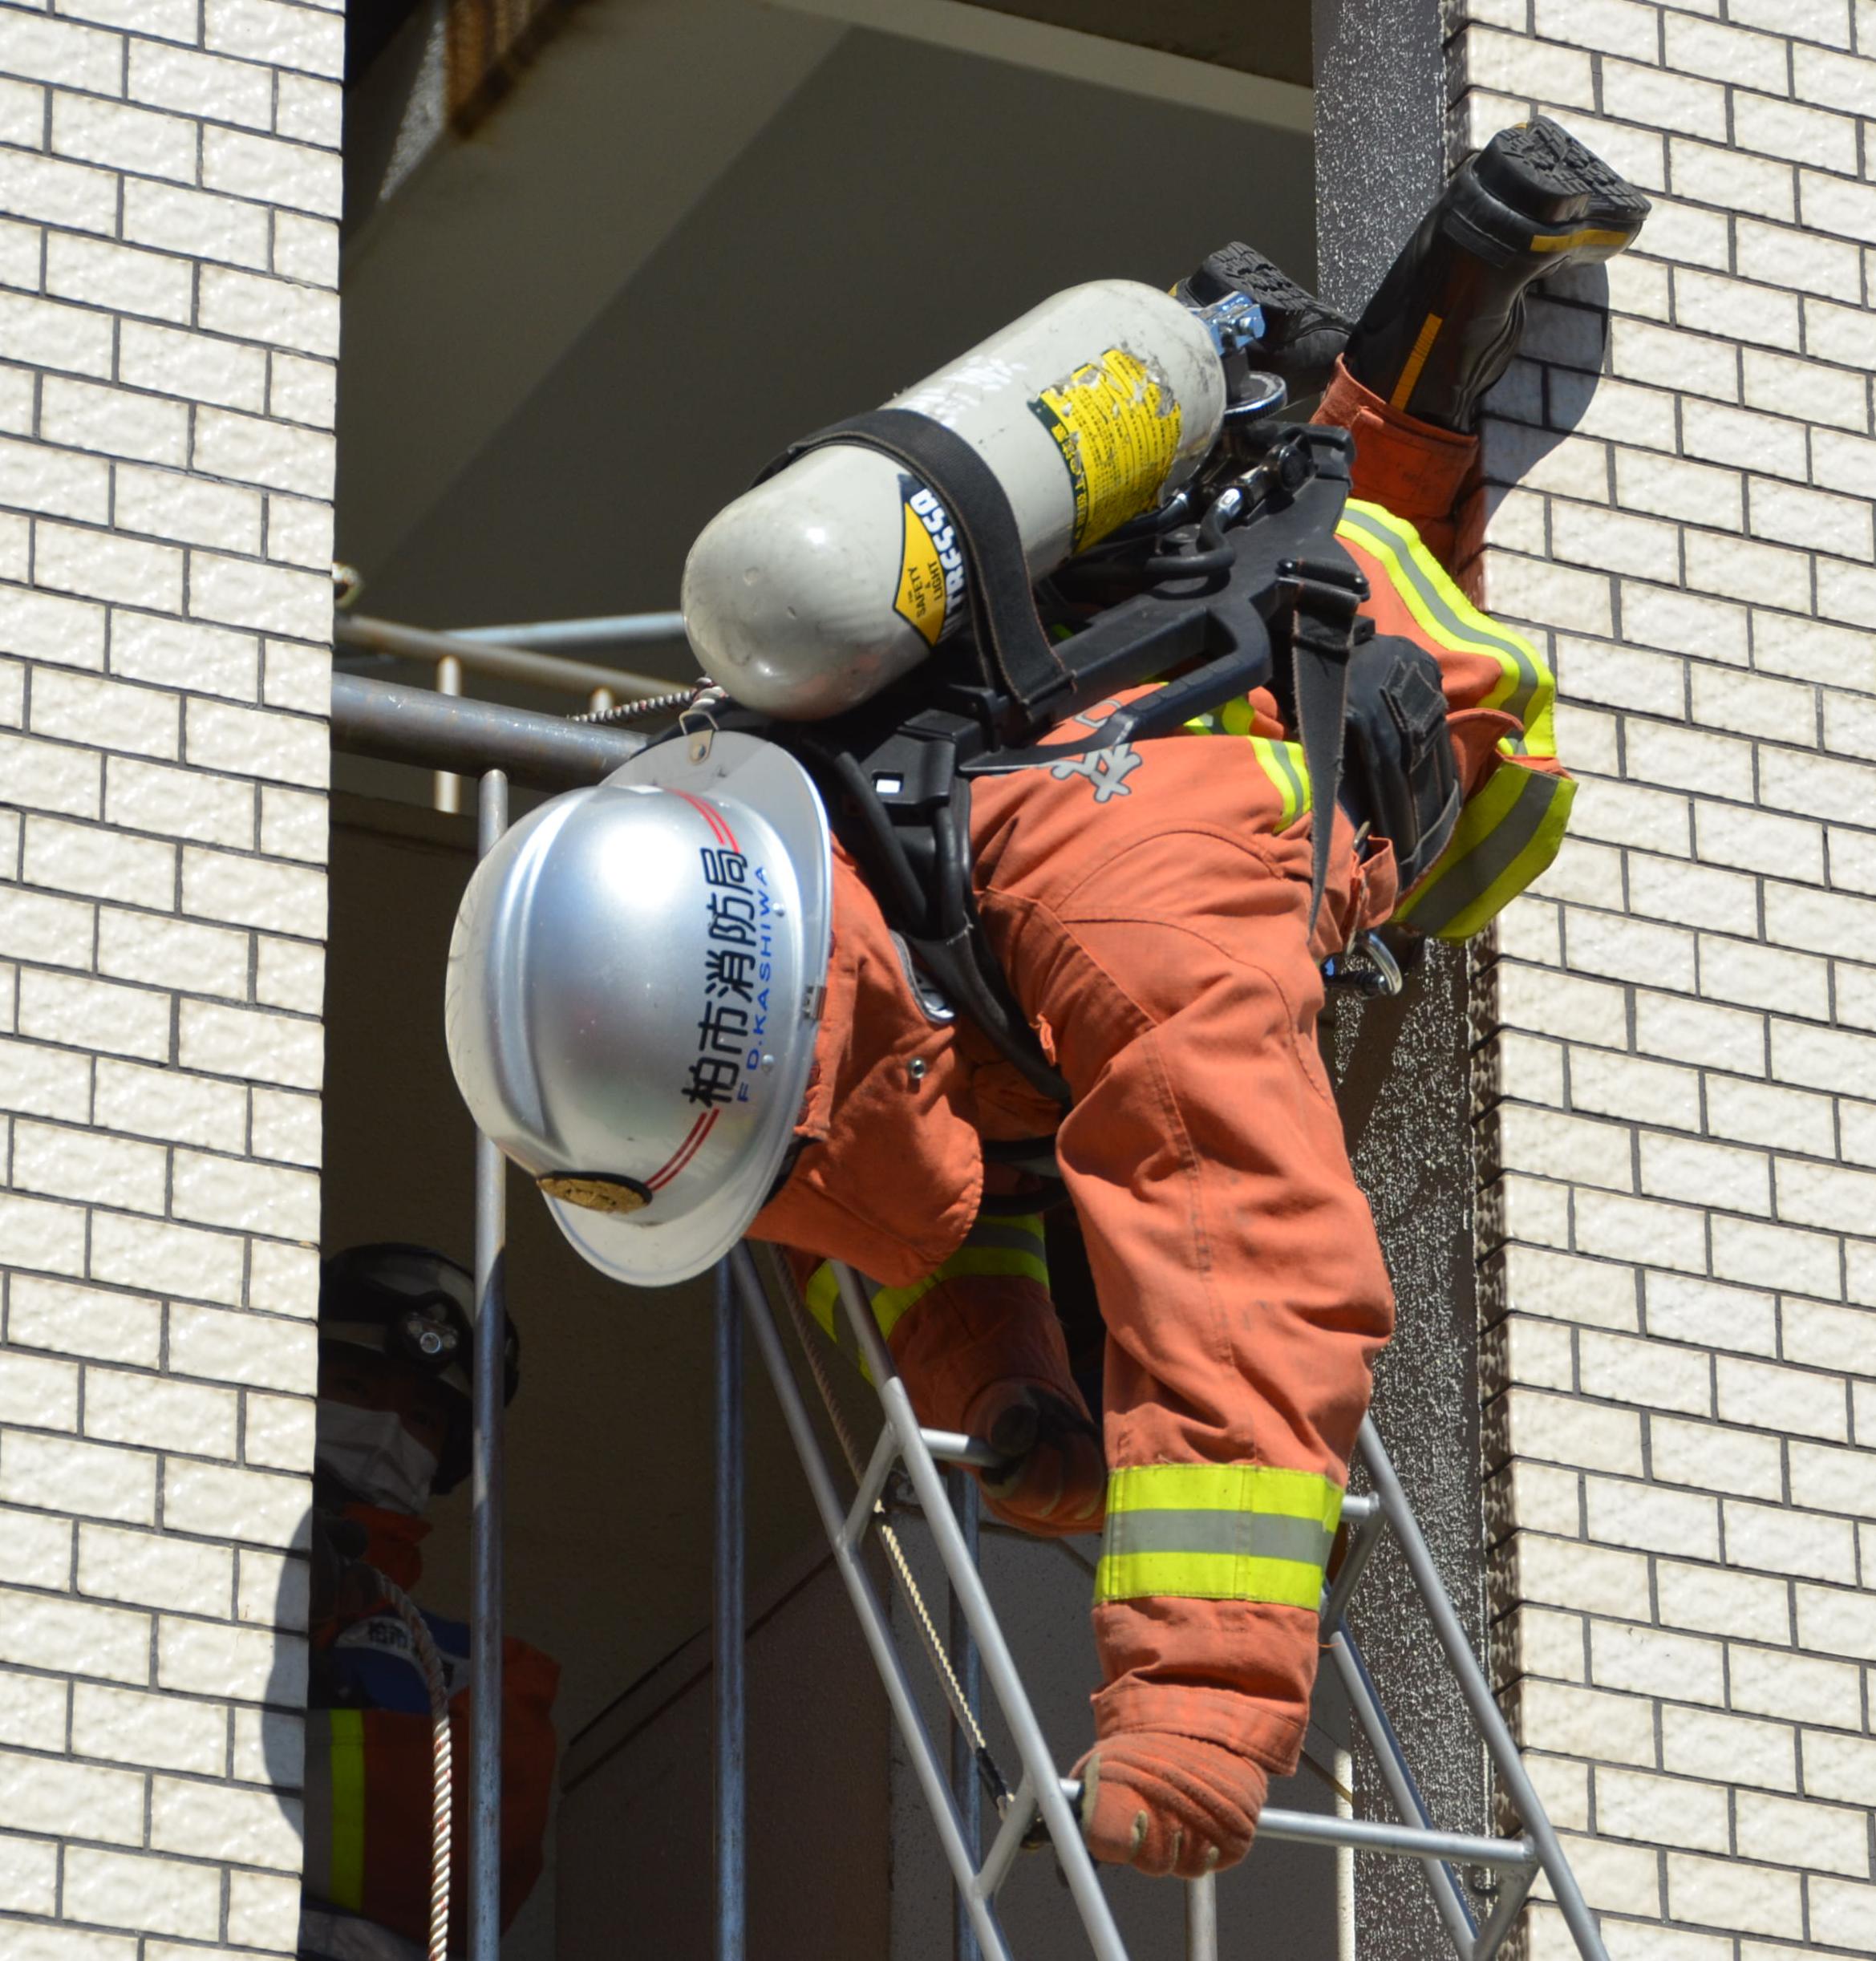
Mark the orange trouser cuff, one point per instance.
(1234, 1672)
(1415, 469)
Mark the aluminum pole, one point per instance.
(415, 725)
(966, 1503)
(615, 629)
(729, 1710)
(1201, 1918)
(488, 1387)
(375, 636)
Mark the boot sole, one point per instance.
(1303, 336)
(1239, 268)
(1570, 207)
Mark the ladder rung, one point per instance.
(1410, 1841)
(955, 1446)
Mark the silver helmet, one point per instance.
(635, 986)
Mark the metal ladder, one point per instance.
(1042, 1794)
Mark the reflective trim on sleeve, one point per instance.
(1230, 718)
(345, 1869)
(1283, 763)
(1005, 1247)
(1506, 837)
(1525, 688)
(1217, 1531)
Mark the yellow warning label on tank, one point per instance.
(1117, 427)
(930, 598)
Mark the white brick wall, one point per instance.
(1677, 1064)
(169, 174)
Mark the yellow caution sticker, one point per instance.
(930, 598)
(1117, 427)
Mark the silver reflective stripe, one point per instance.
(1436, 603)
(1244, 1535)
(1287, 762)
(1469, 878)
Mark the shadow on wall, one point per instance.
(270, 1741)
(1535, 409)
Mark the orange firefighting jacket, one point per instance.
(902, 1224)
(369, 1755)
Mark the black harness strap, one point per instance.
(1325, 595)
(1290, 581)
(1010, 638)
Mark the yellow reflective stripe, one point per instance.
(1569, 241)
(889, 1304)
(1525, 687)
(1208, 1576)
(1022, 1230)
(1264, 750)
(1423, 346)
(345, 1874)
(996, 1246)
(1217, 1531)
(1231, 718)
(1283, 763)
(1506, 837)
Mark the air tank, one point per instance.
(842, 572)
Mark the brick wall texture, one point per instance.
(1676, 1081)
(170, 185)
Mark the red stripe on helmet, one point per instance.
(712, 817)
(685, 1151)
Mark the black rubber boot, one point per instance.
(1448, 316)
(1301, 336)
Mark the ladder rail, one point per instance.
(1515, 1891)
(1455, 1911)
(967, 1784)
(1367, 1525)
(1314, 1828)
(1500, 1744)
(1008, 1841)
(1519, 1858)
(874, 1625)
(998, 1666)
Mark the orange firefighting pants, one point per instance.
(1152, 917)
(1159, 935)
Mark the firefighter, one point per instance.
(1150, 905)
(395, 1341)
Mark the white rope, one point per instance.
(442, 1766)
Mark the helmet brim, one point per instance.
(637, 1247)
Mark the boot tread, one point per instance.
(1545, 176)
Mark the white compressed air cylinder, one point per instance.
(841, 573)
